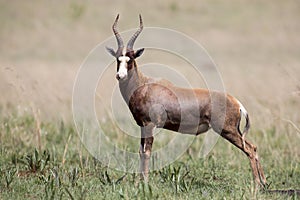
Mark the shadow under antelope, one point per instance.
(160, 104)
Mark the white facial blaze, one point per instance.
(122, 72)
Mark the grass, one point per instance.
(63, 169)
(255, 44)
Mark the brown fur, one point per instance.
(190, 111)
(156, 104)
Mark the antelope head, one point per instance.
(125, 56)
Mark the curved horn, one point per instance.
(118, 36)
(135, 35)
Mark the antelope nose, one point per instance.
(121, 75)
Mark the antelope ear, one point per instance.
(111, 51)
(138, 52)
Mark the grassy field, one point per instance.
(255, 45)
(58, 167)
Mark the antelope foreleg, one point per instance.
(145, 150)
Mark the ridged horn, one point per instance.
(118, 36)
(135, 35)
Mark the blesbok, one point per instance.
(191, 111)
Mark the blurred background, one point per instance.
(255, 44)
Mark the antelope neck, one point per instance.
(135, 79)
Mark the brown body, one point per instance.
(160, 104)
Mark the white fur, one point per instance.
(242, 109)
(122, 73)
(244, 112)
(142, 148)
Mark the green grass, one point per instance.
(63, 169)
(255, 44)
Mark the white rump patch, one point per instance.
(243, 112)
(242, 108)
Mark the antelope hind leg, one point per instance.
(250, 150)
